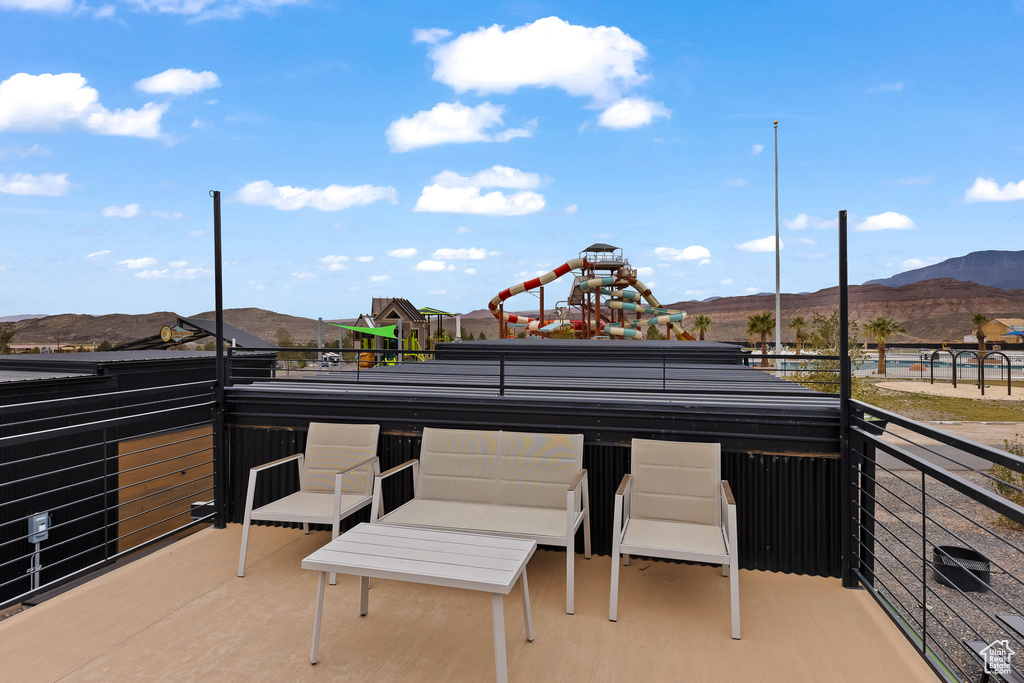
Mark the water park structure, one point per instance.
(602, 269)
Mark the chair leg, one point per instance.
(586, 518)
(305, 528)
(625, 559)
(246, 521)
(570, 566)
(613, 602)
(734, 597)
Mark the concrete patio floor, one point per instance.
(181, 614)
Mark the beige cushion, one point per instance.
(676, 481)
(487, 518)
(331, 447)
(536, 469)
(675, 536)
(458, 464)
(304, 506)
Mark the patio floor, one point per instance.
(181, 614)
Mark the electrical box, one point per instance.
(39, 527)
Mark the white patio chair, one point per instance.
(336, 474)
(677, 507)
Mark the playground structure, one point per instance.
(624, 291)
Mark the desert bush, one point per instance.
(1010, 483)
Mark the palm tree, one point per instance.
(798, 324)
(701, 323)
(880, 328)
(978, 320)
(761, 324)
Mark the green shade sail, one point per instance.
(388, 331)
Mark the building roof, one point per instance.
(200, 329)
(600, 248)
(402, 306)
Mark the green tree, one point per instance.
(978, 321)
(6, 335)
(798, 325)
(879, 328)
(104, 346)
(761, 325)
(283, 337)
(701, 323)
(822, 374)
(482, 336)
(469, 337)
(654, 333)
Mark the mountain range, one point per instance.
(1003, 269)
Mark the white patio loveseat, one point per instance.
(519, 484)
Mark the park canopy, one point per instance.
(387, 331)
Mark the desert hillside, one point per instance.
(931, 311)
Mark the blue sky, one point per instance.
(445, 151)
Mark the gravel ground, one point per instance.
(953, 519)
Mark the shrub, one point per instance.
(1010, 484)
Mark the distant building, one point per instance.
(400, 312)
(1000, 329)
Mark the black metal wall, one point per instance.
(787, 505)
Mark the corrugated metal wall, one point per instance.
(787, 505)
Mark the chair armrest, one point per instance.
(727, 493)
(623, 485)
(275, 463)
(362, 463)
(577, 481)
(397, 468)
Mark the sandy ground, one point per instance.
(993, 392)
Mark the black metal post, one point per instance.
(220, 492)
(848, 495)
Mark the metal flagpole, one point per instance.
(778, 299)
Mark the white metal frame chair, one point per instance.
(336, 475)
(675, 505)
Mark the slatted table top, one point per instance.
(440, 558)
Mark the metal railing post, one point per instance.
(219, 441)
(501, 374)
(848, 497)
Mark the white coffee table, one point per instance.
(484, 563)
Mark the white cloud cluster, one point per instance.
(332, 262)
(804, 221)
(54, 102)
(52, 6)
(44, 184)
(97, 254)
(178, 82)
(988, 190)
(449, 123)
(913, 263)
(330, 198)
(596, 62)
(138, 263)
(890, 220)
(23, 152)
(468, 254)
(756, 149)
(364, 259)
(691, 253)
(379, 278)
(765, 244)
(126, 211)
(433, 266)
(453, 193)
(406, 252)
(172, 215)
(211, 9)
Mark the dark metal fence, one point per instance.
(937, 539)
(85, 480)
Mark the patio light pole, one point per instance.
(778, 299)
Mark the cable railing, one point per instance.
(86, 480)
(938, 540)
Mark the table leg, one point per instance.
(316, 619)
(364, 595)
(500, 658)
(527, 616)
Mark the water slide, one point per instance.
(620, 299)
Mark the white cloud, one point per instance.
(211, 9)
(173, 215)
(104, 12)
(704, 262)
(803, 221)
(762, 245)
(756, 149)
(470, 254)
(304, 276)
(96, 254)
(632, 112)
(691, 253)
(379, 278)
(178, 82)
(174, 273)
(750, 290)
(178, 264)
(644, 271)
(126, 211)
(331, 262)
(453, 193)
(197, 124)
(23, 152)
(438, 292)
(331, 198)
(599, 62)
(736, 182)
(572, 209)
(137, 263)
(726, 282)
(45, 184)
(913, 263)
(451, 123)
(52, 102)
(431, 36)
(890, 220)
(53, 6)
(470, 271)
(463, 230)
(364, 259)
(430, 266)
(988, 190)
(407, 252)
